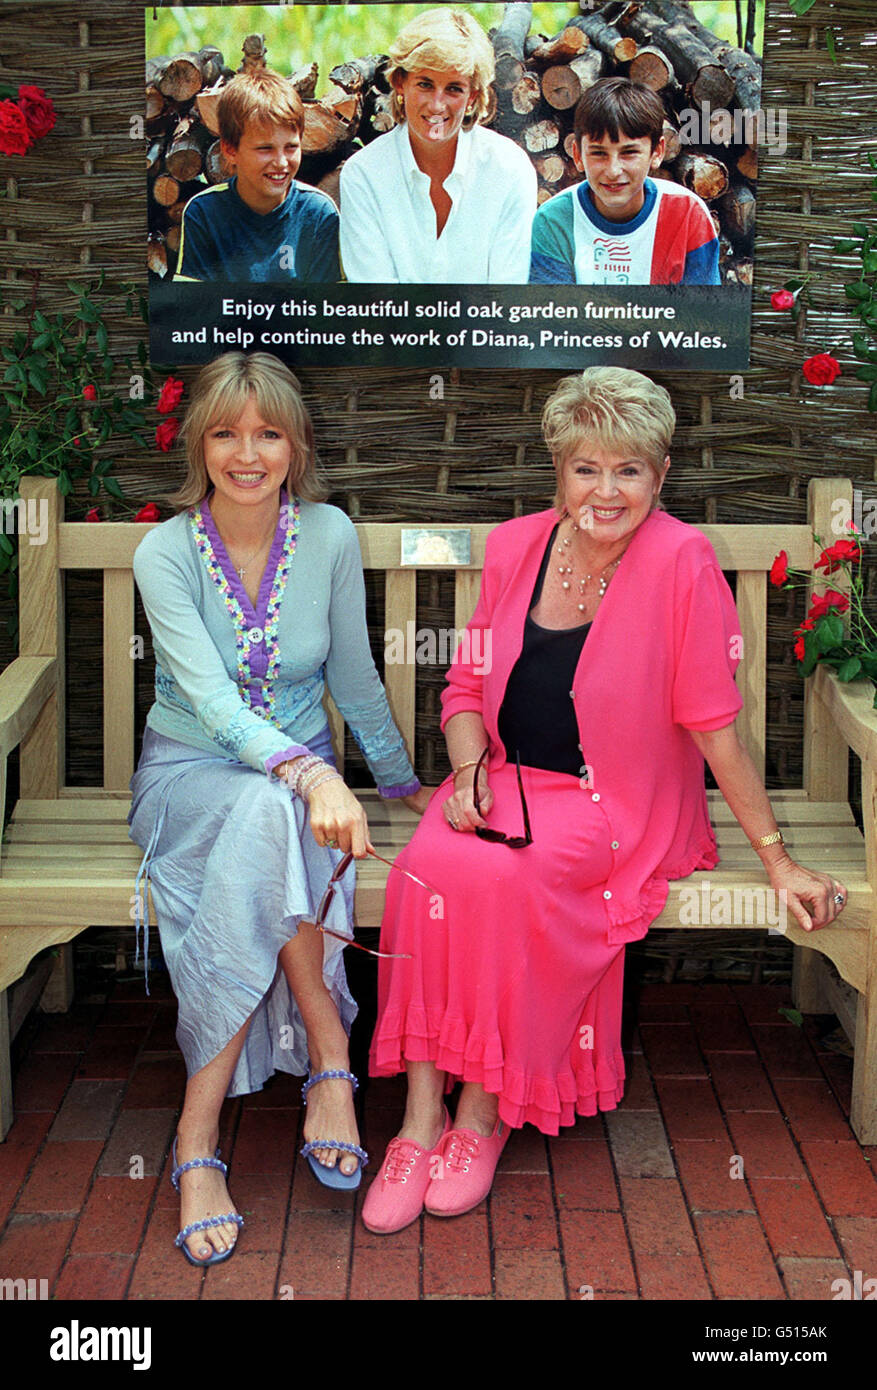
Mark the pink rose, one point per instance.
(782, 299)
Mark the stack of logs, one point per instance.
(707, 88)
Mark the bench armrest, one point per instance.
(25, 686)
(851, 707)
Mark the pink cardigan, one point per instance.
(659, 660)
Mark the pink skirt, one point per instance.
(512, 981)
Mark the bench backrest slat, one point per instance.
(748, 550)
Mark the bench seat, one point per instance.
(66, 862)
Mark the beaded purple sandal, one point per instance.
(218, 1255)
(333, 1177)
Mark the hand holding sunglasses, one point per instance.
(325, 902)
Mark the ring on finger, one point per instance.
(839, 899)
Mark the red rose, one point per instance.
(166, 433)
(38, 110)
(76, 442)
(806, 626)
(779, 570)
(148, 513)
(834, 555)
(782, 299)
(821, 369)
(171, 395)
(92, 515)
(15, 135)
(89, 392)
(824, 603)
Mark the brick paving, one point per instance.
(728, 1172)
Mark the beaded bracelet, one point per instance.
(304, 774)
(316, 779)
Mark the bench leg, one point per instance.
(863, 1108)
(808, 982)
(6, 1115)
(57, 996)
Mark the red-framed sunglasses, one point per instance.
(325, 902)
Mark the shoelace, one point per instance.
(461, 1150)
(401, 1155)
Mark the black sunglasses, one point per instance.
(485, 832)
(325, 902)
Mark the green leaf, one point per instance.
(40, 322)
(17, 304)
(811, 653)
(869, 260)
(860, 228)
(38, 382)
(857, 290)
(6, 544)
(862, 348)
(141, 352)
(94, 485)
(793, 1015)
(65, 483)
(829, 44)
(872, 397)
(793, 285)
(113, 488)
(108, 369)
(829, 632)
(867, 373)
(102, 338)
(42, 340)
(850, 669)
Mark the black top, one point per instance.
(537, 717)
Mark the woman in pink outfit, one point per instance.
(595, 677)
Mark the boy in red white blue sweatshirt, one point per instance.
(618, 226)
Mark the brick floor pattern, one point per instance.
(728, 1172)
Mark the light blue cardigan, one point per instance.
(247, 683)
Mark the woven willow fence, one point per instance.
(76, 202)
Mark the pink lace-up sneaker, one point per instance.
(468, 1164)
(395, 1198)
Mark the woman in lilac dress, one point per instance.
(255, 598)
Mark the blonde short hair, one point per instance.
(257, 98)
(446, 40)
(220, 396)
(614, 407)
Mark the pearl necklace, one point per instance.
(566, 571)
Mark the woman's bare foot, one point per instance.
(330, 1115)
(203, 1193)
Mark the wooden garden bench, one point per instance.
(67, 862)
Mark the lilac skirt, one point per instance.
(233, 868)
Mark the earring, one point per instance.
(400, 103)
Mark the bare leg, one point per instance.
(477, 1109)
(424, 1108)
(330, 1113)
(203, 1191)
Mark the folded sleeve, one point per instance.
(708, 649)
(352, 677)
(185, 652)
